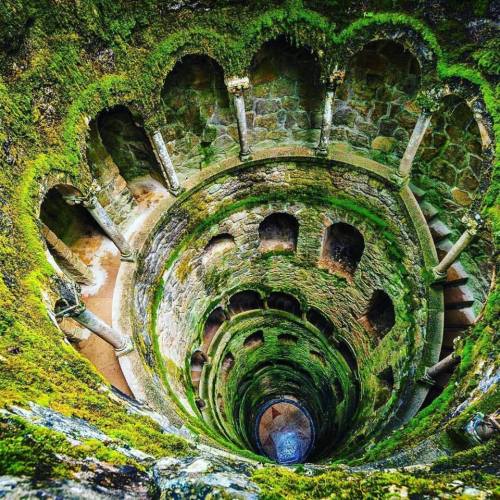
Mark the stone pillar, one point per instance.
(166, 165)
(443, 366)
(416, 138)
(89, 320)
(429, 100)
(102, 218)
(335, 79)
(472, 225)
(70, 261)
(237, 86)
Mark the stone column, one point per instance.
(70, 261)
(472, 225)
(335, 79)
(416, 138)
(429, 100)
(102, 218)
(443, 366)
(237, 86)
(166, 164)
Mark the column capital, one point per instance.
(237, 85)
(128, 346)
(335, 78)
(430, 99)
(473, 222)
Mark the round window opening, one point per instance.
(284, 431)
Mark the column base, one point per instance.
(176, 192)
(399, 181)
(125, 349)
(426, 380)
(128, 257)
(438, 278)
(245, 155)
(322, 152)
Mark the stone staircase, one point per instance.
(458, 297)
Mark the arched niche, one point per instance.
(286, 95)
(343, 247)
(200, 124)
(217, 246)
(320, 321)
(386, 385)
(284, 302)
(380, 315)
(287, 339)
(69, 232)
(214, 321)
(279, 232)
(198, 360)
(450, 157)
(117, 138)
(246, 300)
(375, 106)
(254, 340)
(227, 364)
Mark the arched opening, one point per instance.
(287, 339)
(198, 360)
(284, 302)
(338, 391)
(70, 233)
(200, 123)
(286, 94)
(320, 321)
(118, 140)
(247, 300)
(254, 340)
(343, 247)
(380, 317)
(76, 243)
(347, 353)
(279, 231)
(212, 325)
(227, 365)
(386, 379)
(372, 109)
(218, 246)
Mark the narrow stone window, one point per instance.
(284, 302)
(347, 353)
(227, 364)
(343, 247)
(386, 378)
(380, 316)
(245, 301)
(317, 356)
(286, 338)
(198, 360)
(212, 325)
(218, 246)
(320, 321)
(279, 231)
(254, 340)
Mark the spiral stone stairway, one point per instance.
(256, 259)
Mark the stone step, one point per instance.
(459, 317)
(417, 192)
(458, 297)
(456, 275)
(429, 210)
(439, 230)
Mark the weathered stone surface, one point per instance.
(382, 143)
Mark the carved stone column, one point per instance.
(166, 164)
(72, 307)
(442, 366)
(336, 78)
(472, 225)
(429, 101)
(102, 218)
(69, 260)
(237, 86)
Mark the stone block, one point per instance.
(385, 144)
